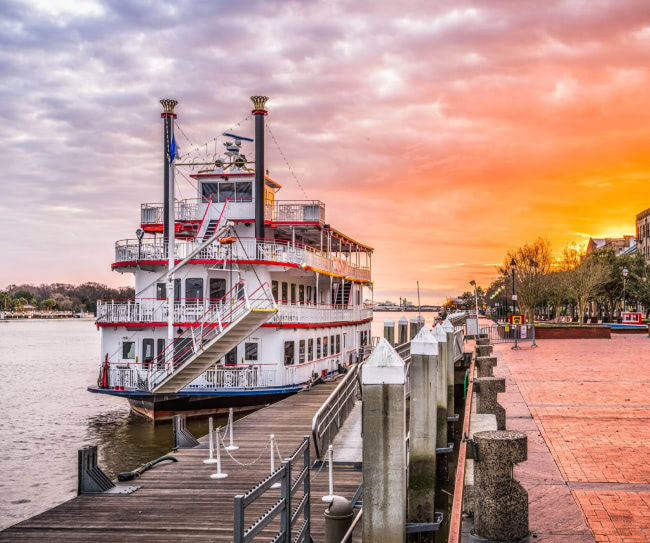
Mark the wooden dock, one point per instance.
(179, 501)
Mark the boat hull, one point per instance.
(162, 407)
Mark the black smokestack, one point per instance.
(259, 111)
(168, 117)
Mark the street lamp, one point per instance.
(513, 266)
(473, 283)
(625, 272)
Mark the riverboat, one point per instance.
(241, 298)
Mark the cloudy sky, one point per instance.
(441, 133)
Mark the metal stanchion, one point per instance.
(275, 485)
(211, 460)
(232, 446)
(219, 474)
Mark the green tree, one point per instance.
(49, 304)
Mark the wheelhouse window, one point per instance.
(289, 353)
(220, 192)
(128, 350)
(244, 190)
(194, 290)
(226, 191)
(310, 349)
(301, 351)
(210, 190)
(250, 351)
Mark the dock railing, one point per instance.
(289, 514)
(332, 414)
(510, 333)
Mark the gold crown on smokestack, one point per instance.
(259, 102)
(168, 105)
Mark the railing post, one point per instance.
(441, 400)
(384, 447)
(422, 432)
(389, 330)
(402, 331)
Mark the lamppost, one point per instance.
(505, 295)
(473, 283)
(625, 272)
(513, 266)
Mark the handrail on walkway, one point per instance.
(330, 417)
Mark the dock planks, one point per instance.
(179, 501)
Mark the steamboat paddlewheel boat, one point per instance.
(240, 298)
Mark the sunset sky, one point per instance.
(441, 133)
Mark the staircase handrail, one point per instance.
(205, 214)
(337, 403)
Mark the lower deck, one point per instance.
(179, 502)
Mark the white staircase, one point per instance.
(217, 332)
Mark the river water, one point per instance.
(47, 414)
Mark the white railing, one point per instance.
(131, 378)
(153, 310)
(245, 249)
(184, 210)
(295, 211)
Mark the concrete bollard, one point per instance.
(402, 331)
(389, 331)
(338, 518)
(502, 503)
(383, 418)
(482, 341)
(414, 326)
(485, 365)
(441, 399)
(483, 350)
(487, 389)
(422, 431)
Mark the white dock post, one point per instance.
(422, 430)
(384, 449)
(211, 460)
(232, 446)
(219, 474)
(330, 461)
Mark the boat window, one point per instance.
(161, 291)
(210, 190)
(194, 290)
(301, 351)
(338, 343)
(160, 347)
(231, 358)
(240, 291)
(147, 350)
(285, 292)
(217, 289)
(310, 350)
(309, 294)
(289, 353)
(128, 350)
(226, 190)
(332, 345)
(293, 293)
(358, 296)
(317, 348)
(301, 294)
(250, 351)
(274, 290)
(325, 346)
(177, 289)
(244, 190)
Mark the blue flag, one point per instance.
(172, 150)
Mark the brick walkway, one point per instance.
(590, 402)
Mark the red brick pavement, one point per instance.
(590, 400)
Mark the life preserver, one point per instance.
(229, 239)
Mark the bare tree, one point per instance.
(584, 275)
(533, 262)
